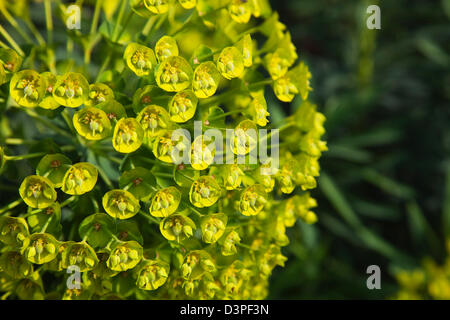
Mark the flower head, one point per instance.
(27, 88)
(41, 248)
(206, 79)
(140, 59)
(153, 274)
(231, 63)
(165, 202)
(177, 227)
(182, 106)
(92, 123)
(174, 74)
(71, 90)
(79, 254)
(128, 135)
(37, 191)
(252, 201)
(213, 226)
(98, 93)
(166, 47)
(120, 204)
(205, 191)
(13, 231)
(80, 178)
(124, 256)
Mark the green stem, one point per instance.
(96, 16)
(148, 25)
(14, 24)
(35, 32)
(119, 20)
(67, 201)
(105, 177)
(49, 20)
(11, 41)
(260, 83)
(25, 156)
(47, 223)
(163, 174)
(162, 19)
(244, 246)
(87, 234)
(198, 213)
(127, 20)
(18, 141)
(48, 124)
(149, 217)
(68, 121)
(10, 206)
(105, 64)
(225, 114)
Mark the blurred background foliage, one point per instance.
(384, 192)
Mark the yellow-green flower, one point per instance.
(246, 47)
(71, 90)
(205, 191)
(10, 60)
(182, 106)
(41, 248)
(140, 59)
(126, 255)
(27, 88)
(177, 227)
(196, 264)
(153, 274)
(128, 135)
(164, 146)
(165, 202)
(244, 137)
(120, 204)
(231, 63)
(202, 153)
(213, 226)
(13, 231)
(174, 74)
(232, 176)
(157, 6)
(80, 178)
(37, 191)
(240, 10)
(15, 265)
(206, 79)
(258, 109)
(166, 47)
(229, 242)
(98, 93)
(154, 120)
(113, 109)
(188, 4)
(92, 123)
(54, 167)
(295, 81)
(253, 199)
(48, 102)
(79, 254)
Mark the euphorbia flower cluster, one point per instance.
(106, 196)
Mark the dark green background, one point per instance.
(384, 195)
